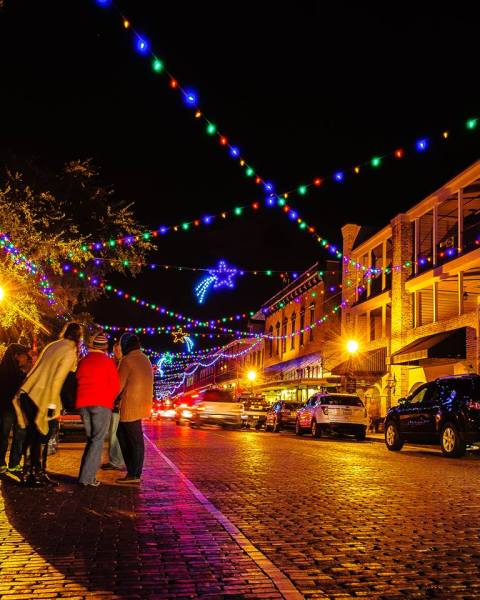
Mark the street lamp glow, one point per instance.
(2, 294)
(352, 346)
(252, 375)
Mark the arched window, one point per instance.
(312, 320)
(284, 335)
(302, 327)
(292, 342)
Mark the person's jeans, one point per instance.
(96, 420)
(130, 436)
(33, 438)
(8, 420)
(115, 456)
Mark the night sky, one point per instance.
(302, 89)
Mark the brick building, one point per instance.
(412, 291)
(294, 355)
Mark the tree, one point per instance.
(52, 221)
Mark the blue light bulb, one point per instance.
(191, 98)
(234, 151)
(142, 46)
(339, 176)
(104, 2)
(268, 186)
(421, 145)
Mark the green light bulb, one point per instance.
(376, 161)
(249, 172)
(268, 272)
(302, 190)
(238, 211)
(157, 65)
(185, 226)
(211, 129)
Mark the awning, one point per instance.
(448, 345)
(371, 362)
(296, 363)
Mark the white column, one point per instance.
(460, 221)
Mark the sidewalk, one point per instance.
(153, 541)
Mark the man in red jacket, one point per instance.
(98, 386)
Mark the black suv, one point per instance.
(445, 411)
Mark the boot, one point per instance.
(47, 479)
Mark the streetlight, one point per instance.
(251, 376)
(352, 346)
(350, 383)
(2, 294)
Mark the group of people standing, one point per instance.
(111, 395)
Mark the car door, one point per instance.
(408, 413)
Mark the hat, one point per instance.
(129, 342)
(99, 342)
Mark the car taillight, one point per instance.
(473, 404)
(325, 410)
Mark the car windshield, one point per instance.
(341, 400)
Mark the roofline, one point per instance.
(296, 283)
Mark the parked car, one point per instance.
(342, 413)
(282, 415)
(254, 411)
(216, 406)
(445, 411)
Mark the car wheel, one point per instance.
(451, 441)
(268, 427)
(361, 434)
(276, 426)
(393, 440)
(298, 429)
(316, 431)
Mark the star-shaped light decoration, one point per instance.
(182, 337)
(222, 276)
(179, 336)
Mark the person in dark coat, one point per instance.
(12, 374)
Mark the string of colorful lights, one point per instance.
(167, 267)
(191, 100)
(21, 260)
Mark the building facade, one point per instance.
(411, 294)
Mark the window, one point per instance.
(284, 335)
(270, 342)
(302, 326)
(312, 321)
(277, 333)
(292, 342)
(418, 396)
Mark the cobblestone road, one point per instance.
(341, 519)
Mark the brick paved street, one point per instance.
(341, 519)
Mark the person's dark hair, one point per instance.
(72, 331)
(130, 344)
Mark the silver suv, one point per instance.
(342, 413)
